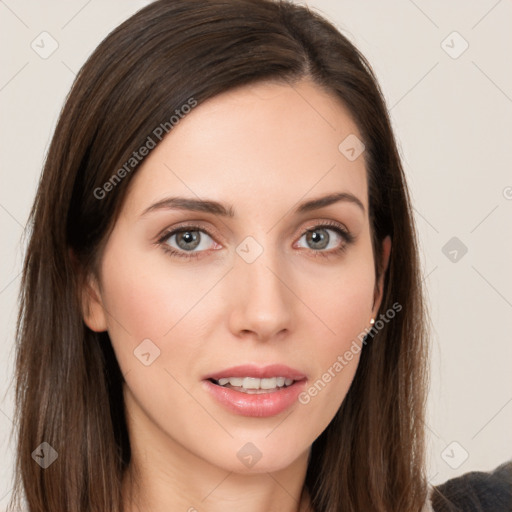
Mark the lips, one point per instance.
(255, 403)
(262, 405)
(251, 370)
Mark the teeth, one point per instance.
(254, 383)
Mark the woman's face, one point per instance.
(258, 276)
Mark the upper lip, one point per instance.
(259, 372)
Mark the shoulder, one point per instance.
(476, 491)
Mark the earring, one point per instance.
(372, 321)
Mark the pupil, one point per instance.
(319, 238)
(190, 239)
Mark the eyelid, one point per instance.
(325, 223)
(188, 226)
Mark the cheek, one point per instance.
(146, 298)
(341, 298)
(342, 303)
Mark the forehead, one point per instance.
(257, 143)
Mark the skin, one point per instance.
(262, 149)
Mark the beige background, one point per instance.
(452, 116)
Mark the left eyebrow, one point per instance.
(324, 201)
(216, 208)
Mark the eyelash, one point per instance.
(348, 237)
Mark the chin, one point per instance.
(261, 454)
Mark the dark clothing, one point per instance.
(476, 491)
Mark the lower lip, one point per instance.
(261, 405)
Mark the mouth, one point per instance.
(249, 390)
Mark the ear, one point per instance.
(93, 312)
(379, 285)
(92, 306)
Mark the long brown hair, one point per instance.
(69, 385)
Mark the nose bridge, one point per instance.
(262, 301)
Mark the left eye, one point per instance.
(319, 238)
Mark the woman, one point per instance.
(221, 301)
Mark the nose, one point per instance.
(261, 304)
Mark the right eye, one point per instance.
(186, 241)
